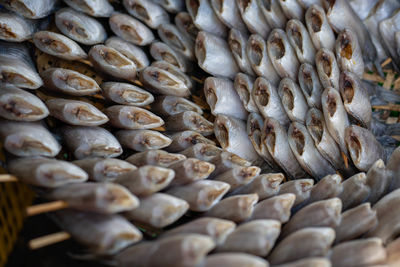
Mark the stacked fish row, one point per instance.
(133, 185)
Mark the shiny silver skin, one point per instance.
(293, 100)
(327, 68)
(348, 53)
(162, 51)
(253, 17)
(237, 43)
(301, 41)
(228, 13)
(318, 26)
(170, 35)
(142, 140)
(273, 13)
(126, 94)
(15, 28)
(31, 9)
(310, 85)
(95, 8)
(189, 120)
(243, 85)
(147, 11)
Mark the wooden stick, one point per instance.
(47, 240)
(387, 61)
(373, 77)
(389, 80)
(388, 107)
(5, 178)
(46, 207)
(86, 62)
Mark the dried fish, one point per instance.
(228, 13)
(164, 65)
(51, 173)
(15, 28)
(310, 85)
(300, 39)
(275, 208)
(234, 260)
(142, 140)
(273, 13)
(393, 168)
(253, 17)
(223, 98)
(292, 9)
(95, 8)
(184, 23)
(189, 120)
(173, 105)
(264, 185)
(204, 17)
(363, 8)
(378, 179)
(80, 27)
(146, 180)
(158, 210)
(201, 195)
(126, 94)
(327, 68)
(237, 43)
(348, 53)
(132, 118)
(173, 6)
(234, 208)
(155, 157)
(130, 29)
(243, 84)
(328, 187)
(282, 55)
(147, 11)
(392, 251)
(129, 50)
(30, 9)
(293, 100)
(104, 169)
(186, 139)
(103, 234)
(28, 139)
(112, 62)
(256, 237)
(103, 198)
(202, 151)
(69, 82)
(307, 242)
(260, 60)
(76, 112)
(214, 56)
(92, 141)
(170, 35)
(225, 161)
(308, 262)
(238, 176)
(17, 67)
(318, 26)
(190, 170)
(19, 105)
(355, 191)
(162, 51)
(301, 188)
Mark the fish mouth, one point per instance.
(15, 78)
(21, 108)
(299, 140)
(131, 31)
(174, 39)
(277, 47)
(54, 45)
(326, 61)
(113, 58)
(243, 92)
(354, 146)
(77, 82)
(201, 123)
(211, 97)
(154, 140)
(288, 98)
(200, 167)
(83, 113)
(134, 96)
(113, 171)
(209, 151)
(168, 158)
(74, 29)
(296, 35)
(246, 173)
(181, 106)
(208, 196)
(168, 57)
(116, 196)
(236, 47)
(196, 138)
(158, 176)
(143, 118)
(162, 77)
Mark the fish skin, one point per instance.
(234, 260)
(202, 151)
(387, 30)
(185, 139)
(318, 26)
(328, 187)
(301, 188)
(189, 120)
(327, 68)
(275, 208)
(164, 65)
(225, 161)
(264, 185)
(292, 9)
(173, 6)
(184, 23)
(142, 140)
(15, 28)
(95, 8)
(348, 53)
(253, 17)
(147, 11)
(162, 51)
(307, 262)
(228, 13)
(310, 85)
(363, 8)
(300, 40)
(126, 94)
(273, 13)
(243, 85)
(293, 100)
(355, 191)
(237, 42)
(155, 157)
(170, 35)
(172, 105)
(378, 179)
(190, 170)
(30, 8)
(238, 176)
(393, 169)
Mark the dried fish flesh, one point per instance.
(308, 262)
(243, 84)
(170, 35)
(238, 176)
(162, 51)
(225, 161)
(393, 168)
(186, 139)
(301, 41)
(202, 151)
(142, 140)
(14, 28)
(301, 188)
(237, 43)
(228, 13)
(355, 191)
(310, 85)
(173, 105)
(253, 17)
(164, 65)
(348, 53)
(147, 11)
(30, 8)
(273, 13)
(95, 8)
(293, 100)
(327, 68)
(275, 208)
(184, 23)
(126, 94)
(318, 26)
(363, 8)
(264, 185)
(189, 120)
(190, 170)
(155, 157)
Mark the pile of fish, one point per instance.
(301, 171)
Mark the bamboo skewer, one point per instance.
(47, 240)
(46, 207)
(5, 178)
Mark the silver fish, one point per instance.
(225, 161)
(282, 55)
(162, 51)
(223, 98)
(243, 85)
(186, 139)
(69, 82)
(17, 67)
(155, 157)
(234, 260)
(234, 208)
(30, 9)
(328, 187)
(103, 234)
(393, 169)
(130, 29)
(256, 237)
(327, 68)
(363, 147)
(238, 176)
(292, 9)
(214, 56)
(129, 50)
(260, 60)
(45, 172)
(132, 118)
(172, 105)
(253, 17)
(387, 30)
(255, 123)
(93, 141)
(269, 104)
(104, 198)
(58, 45)
(160, 81)
(18, 105)
(184, 23)
(189, 120)
(104, 169)
(273, 13)
(147, 11)
(126, 94)
(95, 8)
(355, 99)
(306, 153)
(274, 136)
(173, 6)
(301, 188)
(275, 208)
(28, 139)
(307, 242)
(228, 12)
(237, 43)
(80, 27)
(15, 28)
(348, 53)
(362, 7)
(264, 185)
(164, 65)
(293, 100)
(190, 170)
(142, 140)
(378, 179)
(318, 26)
(300, 39)
(112, 62)
(232, 136)
(170, 35)
(336, 119)
(202, 151)
(146, 180)
(310, 85)
(307, 3)
(204, 17)
(355, 191)
(201, 195)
